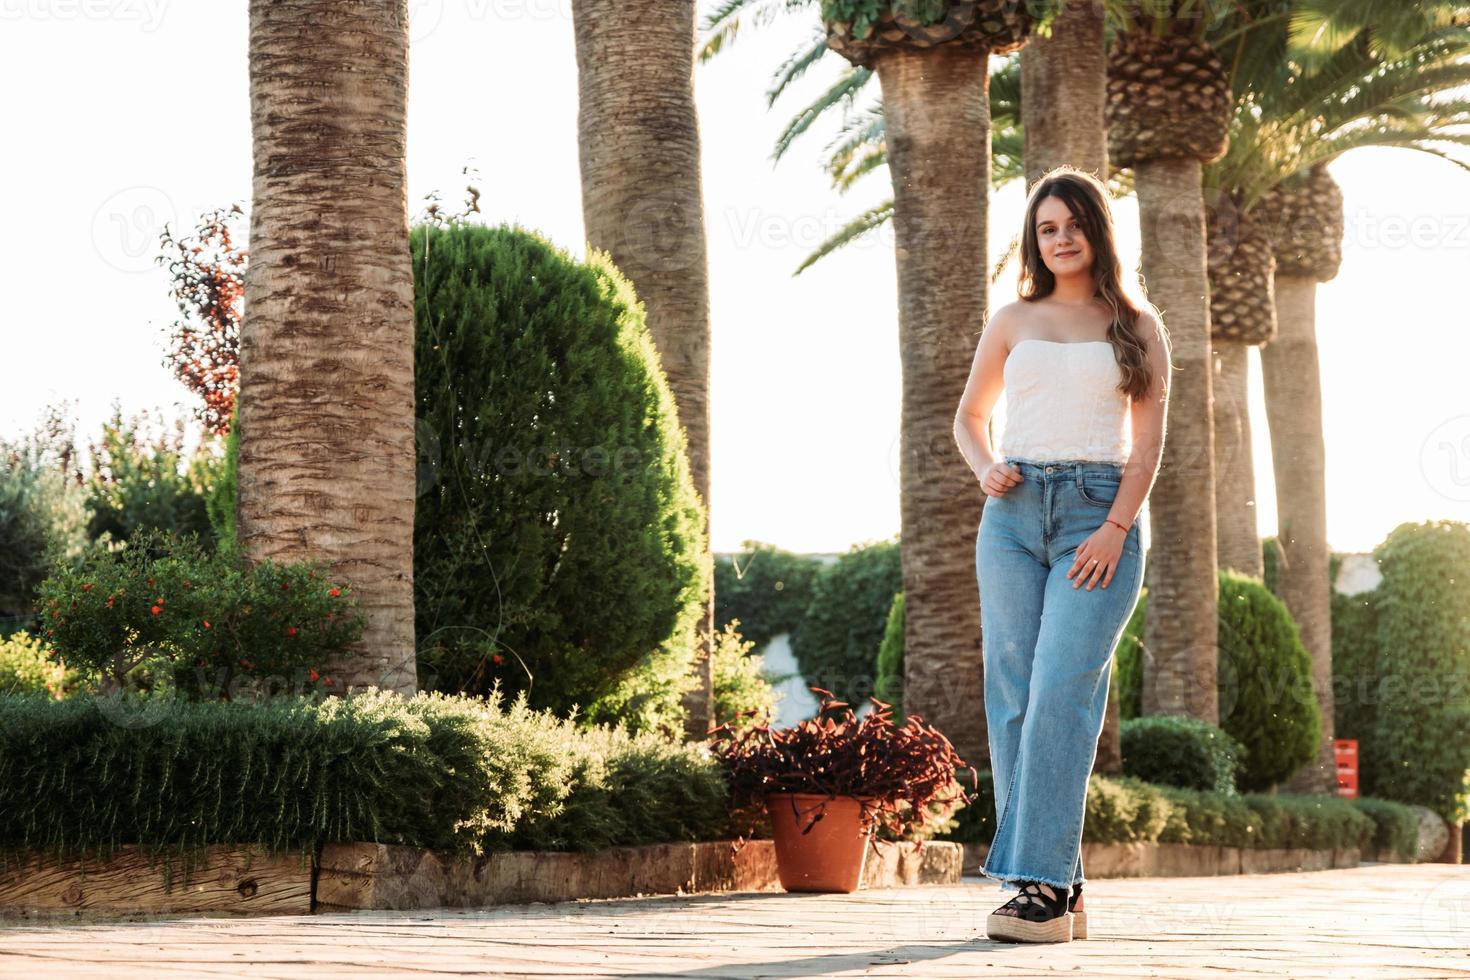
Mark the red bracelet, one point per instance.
(1111, 521)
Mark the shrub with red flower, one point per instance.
(208, 618)
(909, 771)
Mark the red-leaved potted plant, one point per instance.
(830, 785)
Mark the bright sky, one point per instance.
(137, 113)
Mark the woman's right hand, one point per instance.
(999, 477)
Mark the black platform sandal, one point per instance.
(1079, 917)
(1038, 919)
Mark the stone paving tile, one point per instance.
(1371, 921)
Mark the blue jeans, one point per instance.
(1048, 652)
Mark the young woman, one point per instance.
(1058, 556)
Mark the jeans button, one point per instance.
(1050, 468)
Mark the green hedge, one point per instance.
(1422, 754)
(1129, 810)
(1356, 680)
(765, 588)
(83, 775)
(1184, 752)
(838, 639)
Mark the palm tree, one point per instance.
(934, 78)
(1290, 123)
(1168, 110)
(642, 202)
(326, 467)
(1312, 209)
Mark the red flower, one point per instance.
(290, 631)
(246, 664)
(334, 592)
(110, 601)
(86, 586)
(314, 675)
(498, 659)
(206, 624)
(285, 585)
(150, 580)
(328, 682)
(157, 610)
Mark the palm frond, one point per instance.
(845, 89)
(856, 228)
(797, 65)
(722, 25)
(1319, 28)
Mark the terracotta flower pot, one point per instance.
(827, 858)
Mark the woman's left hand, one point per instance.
(1106, 546)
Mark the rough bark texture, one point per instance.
(1293, 385)
(326, 466)
(643, 203)
(1235, 475)
(1064, 84)
(1064, 80)
(936, 104)
(1180, 637)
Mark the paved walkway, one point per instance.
(1371, 921)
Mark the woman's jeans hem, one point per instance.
(1011, 882)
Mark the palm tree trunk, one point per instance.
(1289, 367)
(1235, 475)
(326, 467)
(936, 107)
(1180, 635)
(1063, 91)
(642, 202)
(1063, 85)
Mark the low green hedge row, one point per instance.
(1128, 810)
(85, 774)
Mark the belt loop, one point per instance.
(1077, 476)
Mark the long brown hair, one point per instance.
(1087, 198)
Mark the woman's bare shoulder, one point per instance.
(1009, 321)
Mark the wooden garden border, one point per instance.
(249, 880)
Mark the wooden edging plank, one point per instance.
(230, 878)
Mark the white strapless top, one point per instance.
(1062, 402)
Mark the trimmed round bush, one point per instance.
(1265, 681)
(839, 636)
(1174, 751)
(558, 539)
